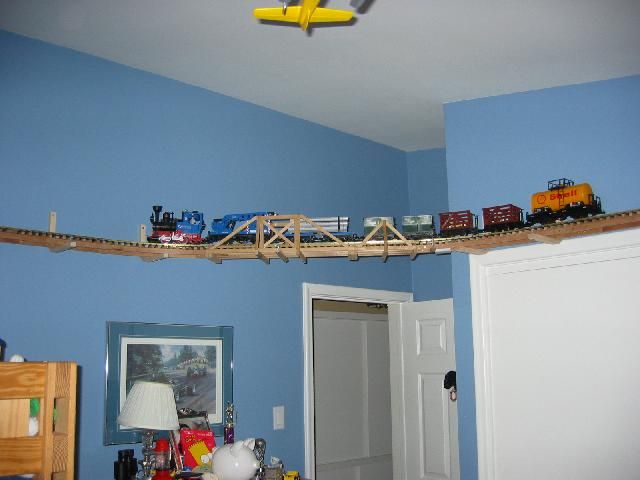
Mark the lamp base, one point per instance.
(148, 456)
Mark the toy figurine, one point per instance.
(229, 425)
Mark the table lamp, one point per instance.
(149, 406)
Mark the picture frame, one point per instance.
(194, 420)
(195, 359)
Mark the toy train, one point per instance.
(167, 229)
(562, 200)
(190, 227)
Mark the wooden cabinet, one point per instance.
(51, 453)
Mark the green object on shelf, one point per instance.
(34, 407)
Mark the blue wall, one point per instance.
(100, 143)
(502, 149)
(427, 170)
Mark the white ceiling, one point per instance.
(385, 77)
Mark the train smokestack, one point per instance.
(156, 211)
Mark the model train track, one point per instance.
(275, 248)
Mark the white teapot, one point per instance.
(235, 461)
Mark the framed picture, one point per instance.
(196, 360)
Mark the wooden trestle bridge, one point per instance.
(284, 241)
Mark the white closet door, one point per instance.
(557, 353)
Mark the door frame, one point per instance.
(311, 292)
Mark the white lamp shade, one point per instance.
(150, 405)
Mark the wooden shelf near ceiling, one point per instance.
(280, 247)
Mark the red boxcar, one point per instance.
(458, 223)
(502, 217)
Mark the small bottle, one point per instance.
(163, 460)
(229, 426)
(126, 467)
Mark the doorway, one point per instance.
(361, 446)
(352, 391)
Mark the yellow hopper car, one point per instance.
(563, 199)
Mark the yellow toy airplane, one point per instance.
(304, 14)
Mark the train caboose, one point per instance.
(168, 229)
(563, 199)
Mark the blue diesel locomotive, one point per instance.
(221, 227)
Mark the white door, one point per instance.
(556, 331)
(425, 440)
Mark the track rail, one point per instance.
(278, 247)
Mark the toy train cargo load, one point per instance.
(336, 226)
(418, 226)
(370, 223)
(462, 222)
(563, 199)
(502, 217)
(167, 229)
(332, 224)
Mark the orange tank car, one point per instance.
(563, 199)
